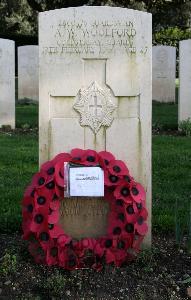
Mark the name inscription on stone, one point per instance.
(96, 38)
(84, 217)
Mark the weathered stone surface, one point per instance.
(184, 104)
(7, 83)
(28, 69)
(164, 72)
(84, 52)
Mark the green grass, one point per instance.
(165, 116)
(18, 161)
(171, 180)
(26, 116)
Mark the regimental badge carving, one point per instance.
(95, 106)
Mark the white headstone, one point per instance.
(28, 77)
(184, 105)
(7, 83)
(95, 85)
(164, 73)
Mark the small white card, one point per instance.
(86, 181)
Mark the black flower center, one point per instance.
(125, 192)
(51, 171)
(41, 181)
(108, 243)
(50, 226)
(121, 245)
(130, 209)
(54, 251)
(30, 208)
(113, 178)
(135, 191)
(121, 217)
(116, 230)
(106, 162)
(116, 169)
(140, 220)
(91, 158)
(38, 219)
(119, 202)
(41, 200)
(129, 227)
(50, 185)
(139, 205)
(44, 236)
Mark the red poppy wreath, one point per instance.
(126, 227)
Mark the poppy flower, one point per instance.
(28, 205)
(49, 169)
(30, 191)
(59, 162)
(64, 240)
(61, 157)
(55, 230)
(138, 239)
(118, 168)
(137, 192)
(131, 213)
(140, 226)
(78, 155)
(37, 252)
(123, 192)
(91, 158)
(105, 158)
(110, 179)
(107, 246)
(52, 253)
(38, 221)
(115, 226)
(39, 179)
(42, 199)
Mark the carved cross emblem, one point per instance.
(95, 106)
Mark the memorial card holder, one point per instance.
(83, 181)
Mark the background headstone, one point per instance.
(184, 104)
(7, 83)
(164, 73)
(90, 56)
(28, 73)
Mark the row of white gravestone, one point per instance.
(164, 75)
(27, 78)
(28, 73)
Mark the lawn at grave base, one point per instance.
(171, 180)
(26, 115)
(18, 161)
(165, 116)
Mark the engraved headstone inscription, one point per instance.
(95, 93)
(7, 83)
